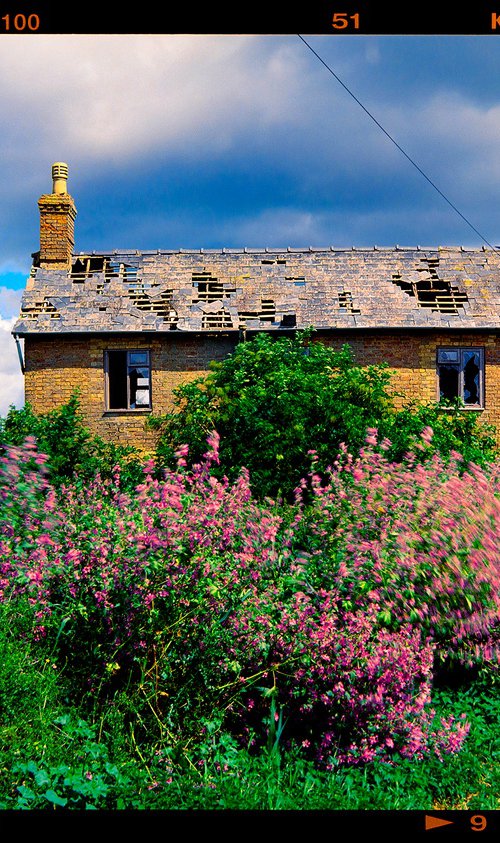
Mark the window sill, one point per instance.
(138, 411)
(472, 409)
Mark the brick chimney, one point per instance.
(57, 222)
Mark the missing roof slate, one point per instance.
(209, 288)
(431, 291)
(135, 288)
(85, 266)
(160, 305)
(346, 302)
(38, 308)
(220, 320)
(267, 313)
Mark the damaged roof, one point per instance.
(264, 289)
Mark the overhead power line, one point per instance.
(426, 177)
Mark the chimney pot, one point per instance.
(59, 177)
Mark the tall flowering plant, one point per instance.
(348, 692)
(199, 601)
(417, 543)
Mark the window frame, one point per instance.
(127, 351)
(461, 349)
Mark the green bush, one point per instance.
(271, 401)
(275, 399)
(454, 429)
(71, 448)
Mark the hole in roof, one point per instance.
(433, 292)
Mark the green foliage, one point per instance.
(27, 678)
(70, 446)
(454, 429)
(61, 749)
(87, 779)
(271, 401)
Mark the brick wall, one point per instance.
(57, 230)
(55, 366)
(412, 357)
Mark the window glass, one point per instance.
(460, 375)
(448, 383)
(137, 358)
(448, 355)
(471, 377)
(128, 379)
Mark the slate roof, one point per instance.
(271, 289)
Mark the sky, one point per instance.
(211, 141)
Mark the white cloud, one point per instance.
(290, 227)
(11, 378)
(110, 105)
(124, 95)
(10, 301)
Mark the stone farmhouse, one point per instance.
(127, 327)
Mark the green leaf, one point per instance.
(41, 778)
(26, 792)
(54, 798)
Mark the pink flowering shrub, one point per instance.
(28, 519)
(415, 543)
(193, 598)
(144, 582)
(350, 692)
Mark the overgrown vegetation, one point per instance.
(274, 400)
(182, 641)
(72, 451)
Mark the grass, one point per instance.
(53, 755)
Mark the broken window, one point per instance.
(128, 378)
(461, 375)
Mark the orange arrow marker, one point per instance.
(434, 822)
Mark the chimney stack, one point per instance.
(57, 222)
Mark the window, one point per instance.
(461, 375)
(128, 376)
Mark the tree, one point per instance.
(271, 401)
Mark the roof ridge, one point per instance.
(250, 250)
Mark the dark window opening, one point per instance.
(461, 375)
(448, 383)
(129, 380)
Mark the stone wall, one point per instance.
(55, 366)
